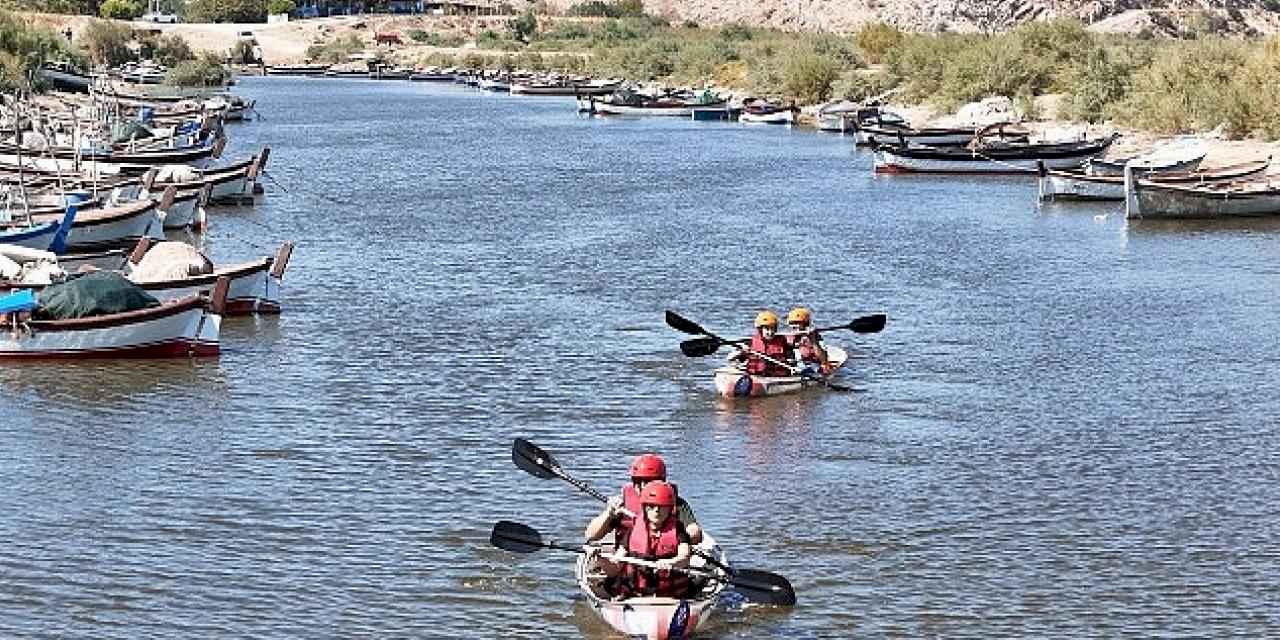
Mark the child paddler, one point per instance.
(766, 341)
(806, 342)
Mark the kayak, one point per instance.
(733, 381)
(653, 618)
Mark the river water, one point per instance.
(1068, 427)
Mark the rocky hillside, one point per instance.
(1161, 17)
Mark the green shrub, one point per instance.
(119, 10)
(24, 49)
(809, 75)
(860, 87)
(242, 52)
(616, 9)
(336, 50)
(1187, 87)
(1099, 81)
(166, 49)
(877, 39)
(435, 39)
(205, 71)
(226, 11)
(523, 27)
(108, 43)
(736, 32)
(277, 7)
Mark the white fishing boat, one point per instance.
(766, 113)
(108, 227)
(181, 328)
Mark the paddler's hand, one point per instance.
(614, 505)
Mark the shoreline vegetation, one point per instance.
(1056, 72)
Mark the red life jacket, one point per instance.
(631, 502)
(665, 543)
(806, 347)
(775, 348)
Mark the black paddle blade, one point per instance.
(699, 347)
(515, 537)
(869, 324)
(533, 460)
(682, 324)
(763, 587)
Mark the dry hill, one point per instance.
(1159, 16)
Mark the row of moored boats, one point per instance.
(89, 187)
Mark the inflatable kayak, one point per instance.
(734, 382)
(653, 618)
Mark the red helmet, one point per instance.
(659, 493)
(648, 467)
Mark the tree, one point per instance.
(108, 43)
(277, 7)
(524, 26)
(119, 10)
(226, 11)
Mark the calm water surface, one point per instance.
(1067, 429)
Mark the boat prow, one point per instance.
(734, 382)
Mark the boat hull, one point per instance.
(1002, 160)
(1165, 202)
(733, 382)
(176, 329)
(653, 618)
(1073, 185)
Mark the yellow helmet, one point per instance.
(799, 315)
(766, 319)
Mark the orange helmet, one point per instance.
(658, 493)
(799, 315)
(766, 318)
(648, 467)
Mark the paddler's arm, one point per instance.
(604, 523)
(690, 522)
(682, 556)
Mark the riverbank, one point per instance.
(1059, 74)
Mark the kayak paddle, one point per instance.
(757, 586)
(533, 460)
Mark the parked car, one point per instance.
(159, 16)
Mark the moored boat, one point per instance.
(1237, 199)
(626, 103)
(734, 382)
(1076, 185)
(181, 328)
(1000, 158)
(653, 618)
(767, 113)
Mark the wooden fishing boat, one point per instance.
(652, 618)
(297, 70)
(98, 228)
(1238, 199)
(1077, 185)
(633, 104)
(733, 381)
(232, 182)
(181, 328)
(564, 88)
(253, 287)
(767, 113)
(999, 158)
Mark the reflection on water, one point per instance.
(1064, 430)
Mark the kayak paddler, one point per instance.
(657, 536)
(806, 342)
(645, 469)
(766, 340)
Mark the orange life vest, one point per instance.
(776, 348)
